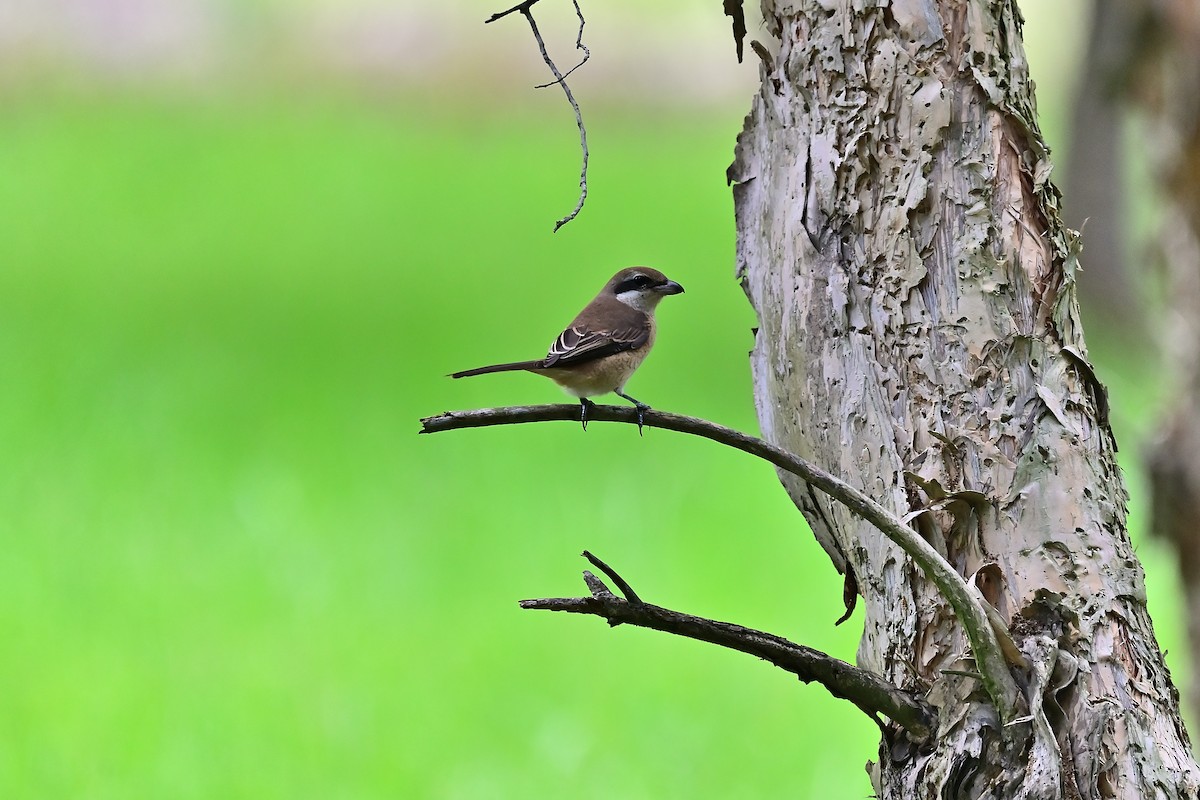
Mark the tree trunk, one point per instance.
(901, 243)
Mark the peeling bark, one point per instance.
(901, 242)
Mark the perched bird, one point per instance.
(602, 347)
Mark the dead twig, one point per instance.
(866, 690)
(560, 80)
(625, 588)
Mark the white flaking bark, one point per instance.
(900, 241)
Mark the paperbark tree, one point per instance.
(901, 242)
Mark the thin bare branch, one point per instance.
(994, 671)
(866, 690)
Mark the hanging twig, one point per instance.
(560, 79)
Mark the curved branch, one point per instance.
(993, 669)
(866, 690)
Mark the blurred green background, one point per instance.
(233, 277)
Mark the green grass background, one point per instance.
(232, 569)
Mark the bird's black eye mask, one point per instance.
(634, 283)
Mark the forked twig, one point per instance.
(579, 45)
(866, 690)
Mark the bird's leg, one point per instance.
(640, 408)
(584, 405)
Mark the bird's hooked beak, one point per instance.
(670, 287)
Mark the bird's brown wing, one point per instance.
(579, 343)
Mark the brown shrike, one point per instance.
(602, 347)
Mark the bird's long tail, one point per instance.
(516, 365)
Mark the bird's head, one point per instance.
(641, 287)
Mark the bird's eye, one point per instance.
(634, 283)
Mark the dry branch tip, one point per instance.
(869, 692)
(612, 574)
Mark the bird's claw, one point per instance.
(639, 405)
(584, 405)
(640, 408)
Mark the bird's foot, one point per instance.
(584, 405)
(640, 406)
